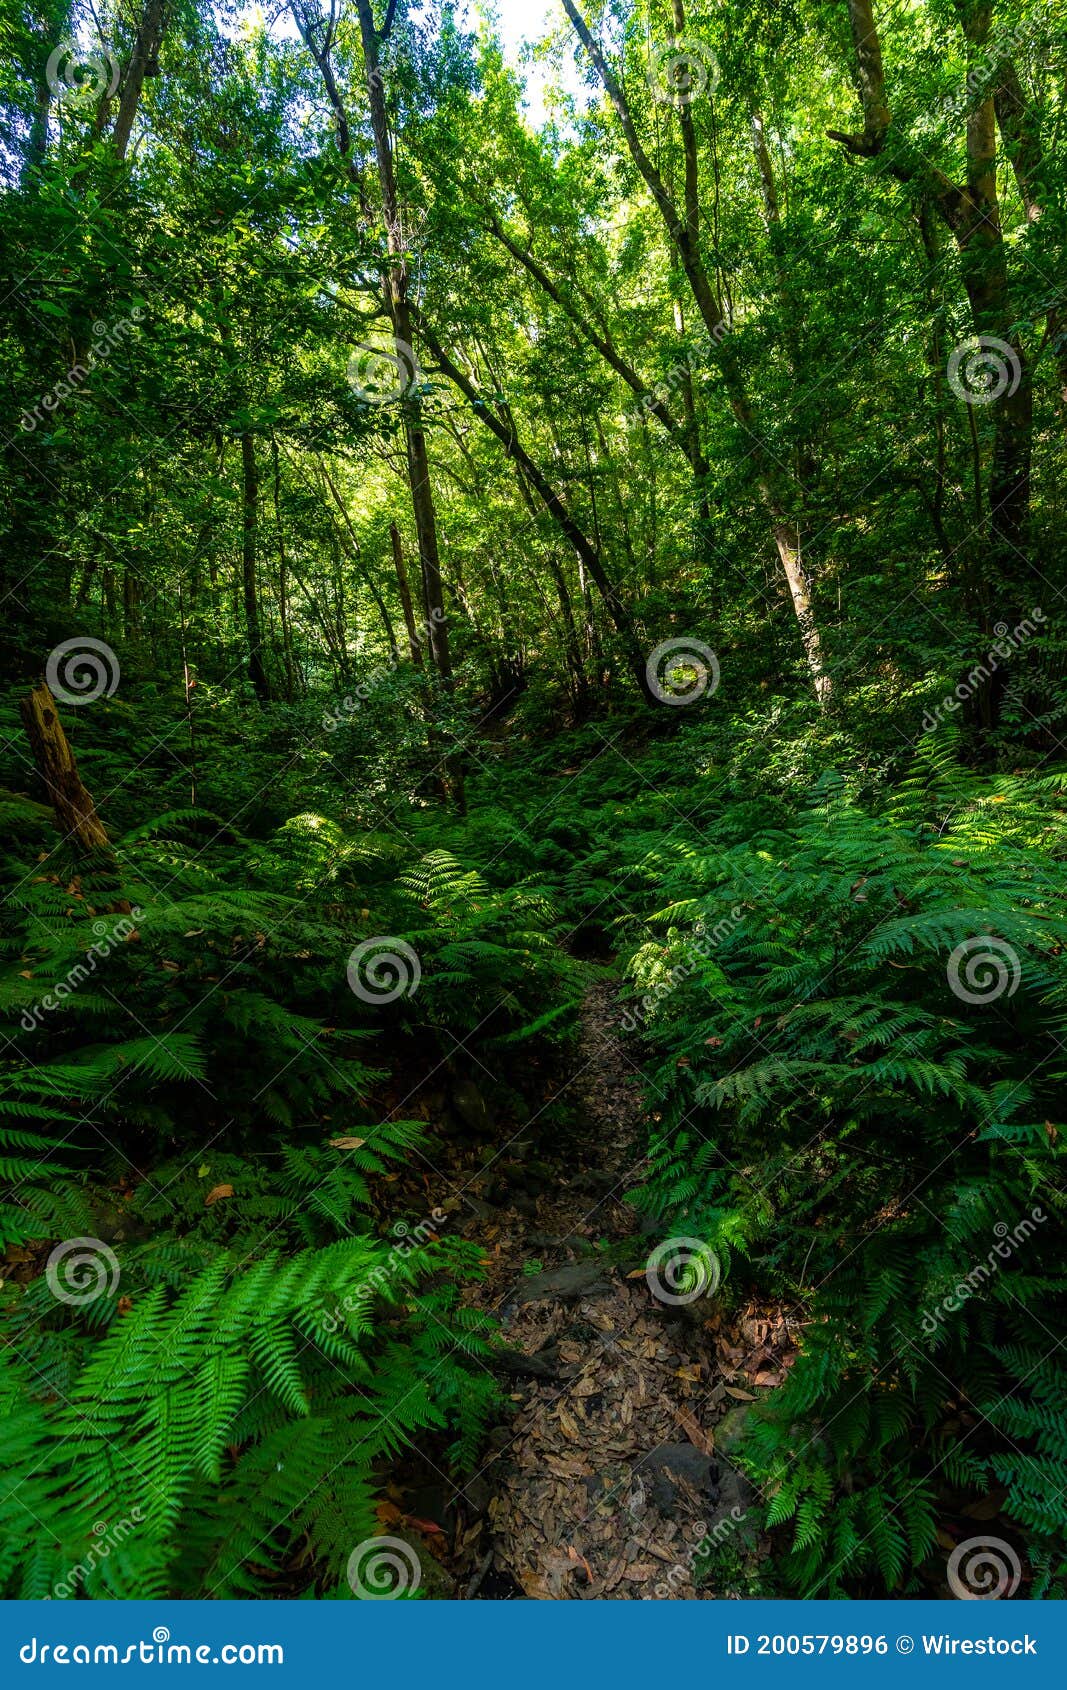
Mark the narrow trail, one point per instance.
(613, 1468)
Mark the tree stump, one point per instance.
(72, 802)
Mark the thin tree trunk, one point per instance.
(601, 340)
(283, 578)
(552, 502)
(187, 685)
(400, 312)
(1021, 132)
(144, 61)
(972, 213)
(414, 642)
(71, 801)
(352, 547)
(681, 227)
(257, 674)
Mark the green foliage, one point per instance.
(840, 1120)
(218, 1417)
(210, 469)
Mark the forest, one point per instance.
(534, 798)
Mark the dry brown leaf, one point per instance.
(987, 1507)
(216, 1192)
(701, 1440)
(739, 1396)
(569, 1426)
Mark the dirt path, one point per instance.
(609, 1477)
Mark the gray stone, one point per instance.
(663, 1470)
(471, 1107)
(568, 1283)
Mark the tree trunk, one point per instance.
(144, 61)
(972, 213)
(422, 500)
(414, 642)
(283, 579)
(72, 803)
(1021, 132)
(351, 545)
(682, 228)
(552, 502)
(257, 674)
